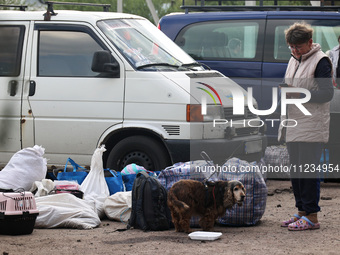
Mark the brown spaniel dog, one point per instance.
(208, 200)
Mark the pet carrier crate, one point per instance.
(18, 213)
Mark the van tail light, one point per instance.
(194, 113)
(159, 26)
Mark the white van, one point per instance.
(71, 81)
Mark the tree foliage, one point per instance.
(13, 2)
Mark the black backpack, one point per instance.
(149, 204)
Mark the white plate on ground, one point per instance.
(204, 235)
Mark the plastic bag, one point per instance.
(114, 181)
(254, 205)
(24, 168)
(249, 174)
(71, 187)
(277, 157)
(129, 174)
(78, 174)
(118, 206)
(194, 170)
(42, 188)
(94, 186)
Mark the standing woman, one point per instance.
(311, 69)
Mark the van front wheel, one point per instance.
(141, 150)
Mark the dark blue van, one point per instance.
(250, 48)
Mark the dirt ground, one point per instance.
(265, 238)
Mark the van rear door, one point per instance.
(12, 58)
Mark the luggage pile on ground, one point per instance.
(81, 198)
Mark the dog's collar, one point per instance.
(207, 194)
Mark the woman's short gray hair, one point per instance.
(298, 33)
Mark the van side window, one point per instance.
(326, 33)
(10, 49)
(220, 40)
(66, 54)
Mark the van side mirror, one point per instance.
(103, 62)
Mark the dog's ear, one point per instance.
(228, 195)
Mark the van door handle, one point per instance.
(13, 85)
(31, 91)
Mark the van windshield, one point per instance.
(143, 45)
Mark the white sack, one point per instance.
(24, 168)
(65, 211)
(118, 206)
(94, 186)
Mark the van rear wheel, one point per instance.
(141, 150)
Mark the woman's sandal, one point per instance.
(303, 224)
(291, 220)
